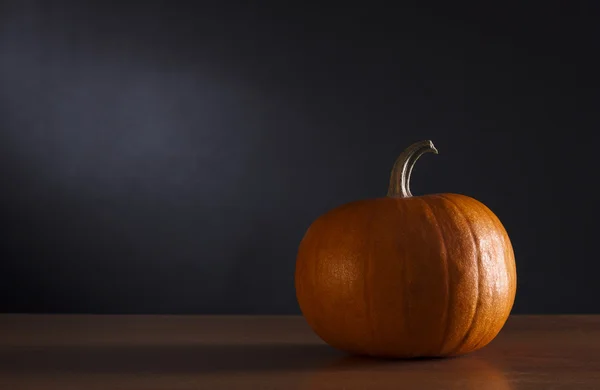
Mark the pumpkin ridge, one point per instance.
(507, 246)
(494, 295)
(447, 273)
(477, 250)
(404, 283)
(368, 309)
(449, 285)
(506, 249)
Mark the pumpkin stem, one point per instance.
(400, 177)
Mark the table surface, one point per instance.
(277, 352)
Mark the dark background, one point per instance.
(162, 157)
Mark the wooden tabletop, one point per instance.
(243, 352)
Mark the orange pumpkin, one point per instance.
(407, 276)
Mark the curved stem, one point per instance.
(400, 177)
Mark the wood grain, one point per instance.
(242, 352)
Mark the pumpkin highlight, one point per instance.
(407, 276)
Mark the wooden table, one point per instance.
(242, 352)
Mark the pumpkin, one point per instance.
(407, 276)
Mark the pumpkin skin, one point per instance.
(403, 277)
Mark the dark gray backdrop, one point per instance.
(167, 158)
